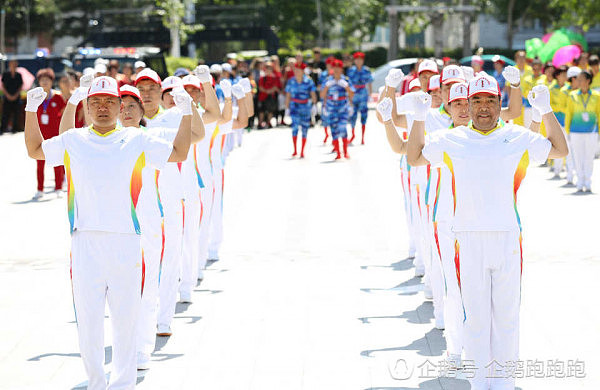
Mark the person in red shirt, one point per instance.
(49, 114)
(269, 87)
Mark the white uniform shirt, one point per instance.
(170, 180)
(437, 119)
(487, 171)
(104, 173)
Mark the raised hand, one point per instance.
(35, 97)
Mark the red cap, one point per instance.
(337, 64)
(359, 54)
(300, 65)
(330, 60)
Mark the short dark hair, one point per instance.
(587, 74)
(45, 72)
(536, 62)
(559, 70)
(594, 60)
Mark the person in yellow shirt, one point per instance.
(558, 101)
(548, 74)
(525, 70)
(527, 83)
(581, 121)
(571, 85)
(595, 68)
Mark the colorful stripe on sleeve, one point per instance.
(135, 188)
(70, 191)
(519, 176)
(448, 162)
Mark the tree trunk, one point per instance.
(174, 32)
(509, 23)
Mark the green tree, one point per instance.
(582, 14)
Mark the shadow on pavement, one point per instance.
(431, 344)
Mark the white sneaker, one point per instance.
(143, 361)
(419, 272)
(59, 193)
(185, 297)
(428, 293)
(38, 195)
(163, 330)
(440, 325)
(200, 274)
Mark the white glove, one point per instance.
(539, 98)
(468, 72)
(238, 91)
(78, 95)
(86, 80)
(384, 108)
(183, 100)
(313, 110)
(330, 83)
(512, 75)
(422, 103)
(35, 97)
(535, 115)
(342, 83)
(393, 78)
(245, 83)
(203, 73)
(226, 88)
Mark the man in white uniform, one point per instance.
(488, 160)
(104, 162)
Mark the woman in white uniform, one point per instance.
(104, 163)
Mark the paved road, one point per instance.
(313, 290)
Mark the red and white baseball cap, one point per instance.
(477, 60)
(104, 85)
(452, 74)
(458, 91)
(147, 74)
(171, 82)
(414, 83)
(428, 66)
(128, 90)
(191, 80)
(484, 84)
(434, 83)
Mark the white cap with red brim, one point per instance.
(452, 74)
(434, 83)
(191, 80)
(414, 83)
(147, 74)
(428, 66)
(104, 85)
(128, 90)
(458, 91)
(483, 84)
(171, 82)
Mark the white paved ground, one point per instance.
(313, 290)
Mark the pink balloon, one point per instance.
(546, 37)
(566, 54)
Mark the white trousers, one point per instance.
(146, 327)
(206, 197)
(570, 163)
(452, 303)
(417, 209)
(191, 227)
(239, 134)
(407, 207)
(583, 147)
(107, 266)
(170, 265)
(215, 235)
(489, 269)
(435, 276)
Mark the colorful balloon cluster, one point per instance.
(561, 47)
